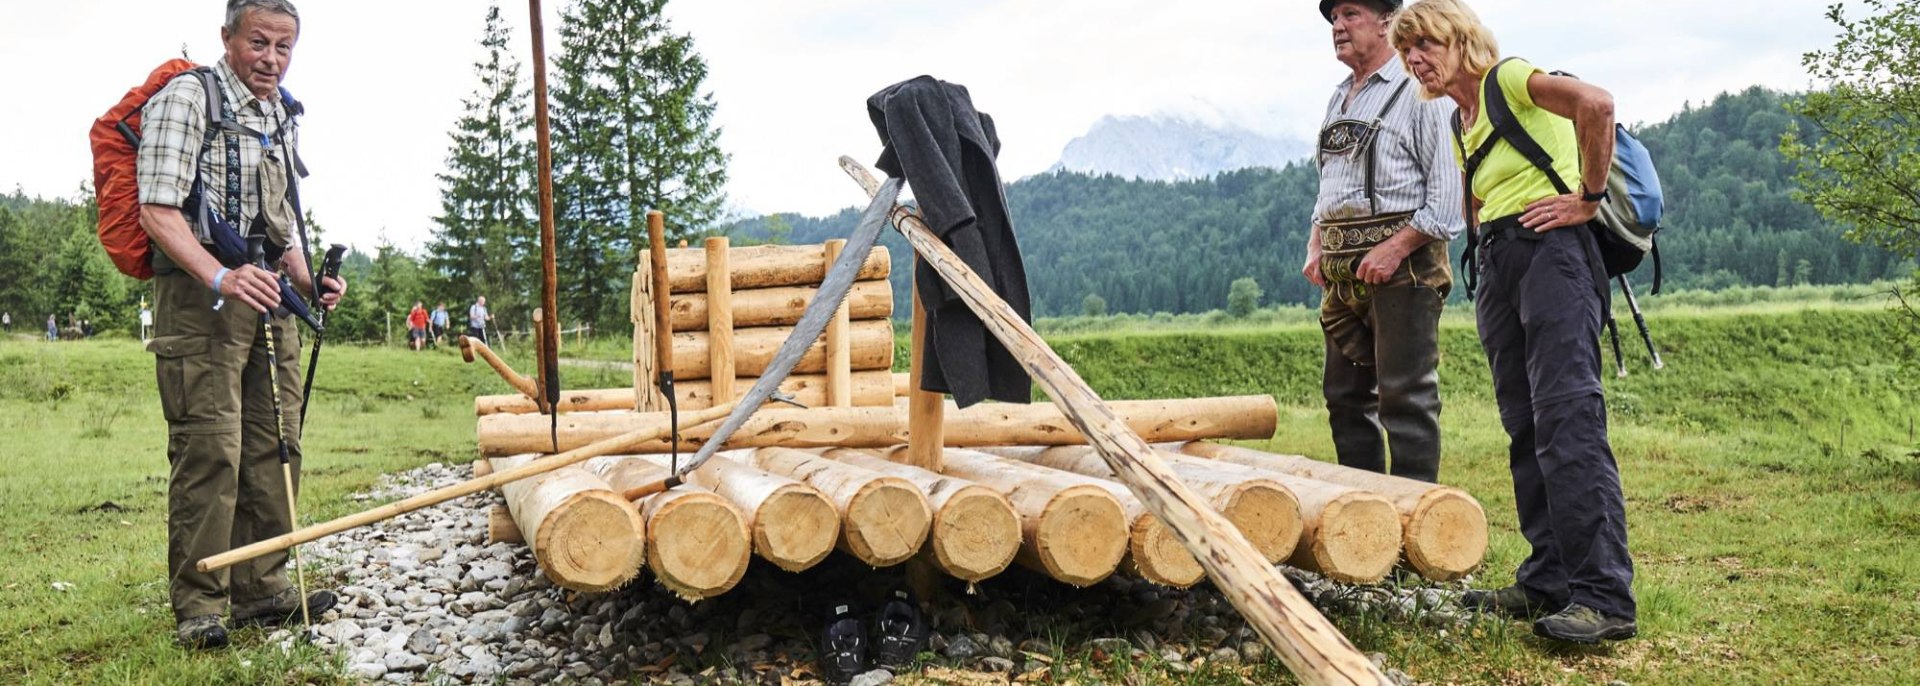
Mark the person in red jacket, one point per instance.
(417, 326)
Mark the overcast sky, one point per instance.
(384, 80)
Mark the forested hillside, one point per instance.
(1142, 246)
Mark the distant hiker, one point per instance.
(477, 318)
(6, 322)
(1540, 302)
(53, 328)
(225, 488)
(437, 320)
(146, 323)
(86, 328)
(417, 326)
(1389, 201)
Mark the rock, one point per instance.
(1110, 647)
(996, 664)
(1225, 656)
(872, 678)
(752, 643)
(962, 647)
(368, 670)
(405, 662)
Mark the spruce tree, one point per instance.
(634, 132)
(486, 241)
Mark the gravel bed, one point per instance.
(425, 599)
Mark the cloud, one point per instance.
(384, 80)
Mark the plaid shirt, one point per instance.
(173, 124)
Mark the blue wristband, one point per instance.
(217, 276)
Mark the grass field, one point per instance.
(1773, 491)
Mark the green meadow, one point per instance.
(1771, 472)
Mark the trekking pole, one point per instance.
(329, 268)
(1613, 331)
(1641, 321)
(549, 333)
(256, 248)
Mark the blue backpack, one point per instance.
(1629, 219)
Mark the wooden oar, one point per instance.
(1309, 644)
(617, 444)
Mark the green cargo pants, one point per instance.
(225, 489)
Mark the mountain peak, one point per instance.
(1163, 148)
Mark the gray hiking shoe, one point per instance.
(1581, 624)
(1512, 601)
(280, 609)
(201, 633)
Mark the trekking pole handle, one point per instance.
(329, 268)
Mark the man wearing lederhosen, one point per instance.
(1389, 201)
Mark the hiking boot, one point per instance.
(900, 632)
(843, 646)
(201, 633)
(280, 609)
(1581, 624)
(1512, 601)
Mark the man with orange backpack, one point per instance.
(210, 165)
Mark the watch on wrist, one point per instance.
(1593, 197)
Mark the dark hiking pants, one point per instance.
(1539, 315)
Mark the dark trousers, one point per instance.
(1382, 359)
(1539, 315)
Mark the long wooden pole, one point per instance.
(1310, 645)
(549, 332)
(617, 444)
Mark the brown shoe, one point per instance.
(280, 609)
(201, 633)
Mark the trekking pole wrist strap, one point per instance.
(217, 276)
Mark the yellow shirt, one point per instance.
(1506, 181)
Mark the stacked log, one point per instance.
(1347, 534)
(884, 519)
(1445, 529)
(986, 424)
(871, 387)
(975, 531)
(793, 525)
(1073, 532)
(697, 542)
(1152, 552)
(583, 534)
(729, 309)
(1264, 511)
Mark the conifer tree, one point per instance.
(486, 239)
(633, 132)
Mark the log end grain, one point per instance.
(795, 528)
(1080, 537)
(1268, 515)
(886, 521)
(592, 542)
(697, 543)
(976, 534)
(1158, 556)
(1357, 539)
(1446, 535)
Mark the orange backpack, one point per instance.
(116, 148)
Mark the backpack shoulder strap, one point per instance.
(1500, 114)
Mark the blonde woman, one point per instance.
(1539, 305)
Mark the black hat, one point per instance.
(1326, 6)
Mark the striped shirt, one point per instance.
(174, 122)
(1413, 167)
